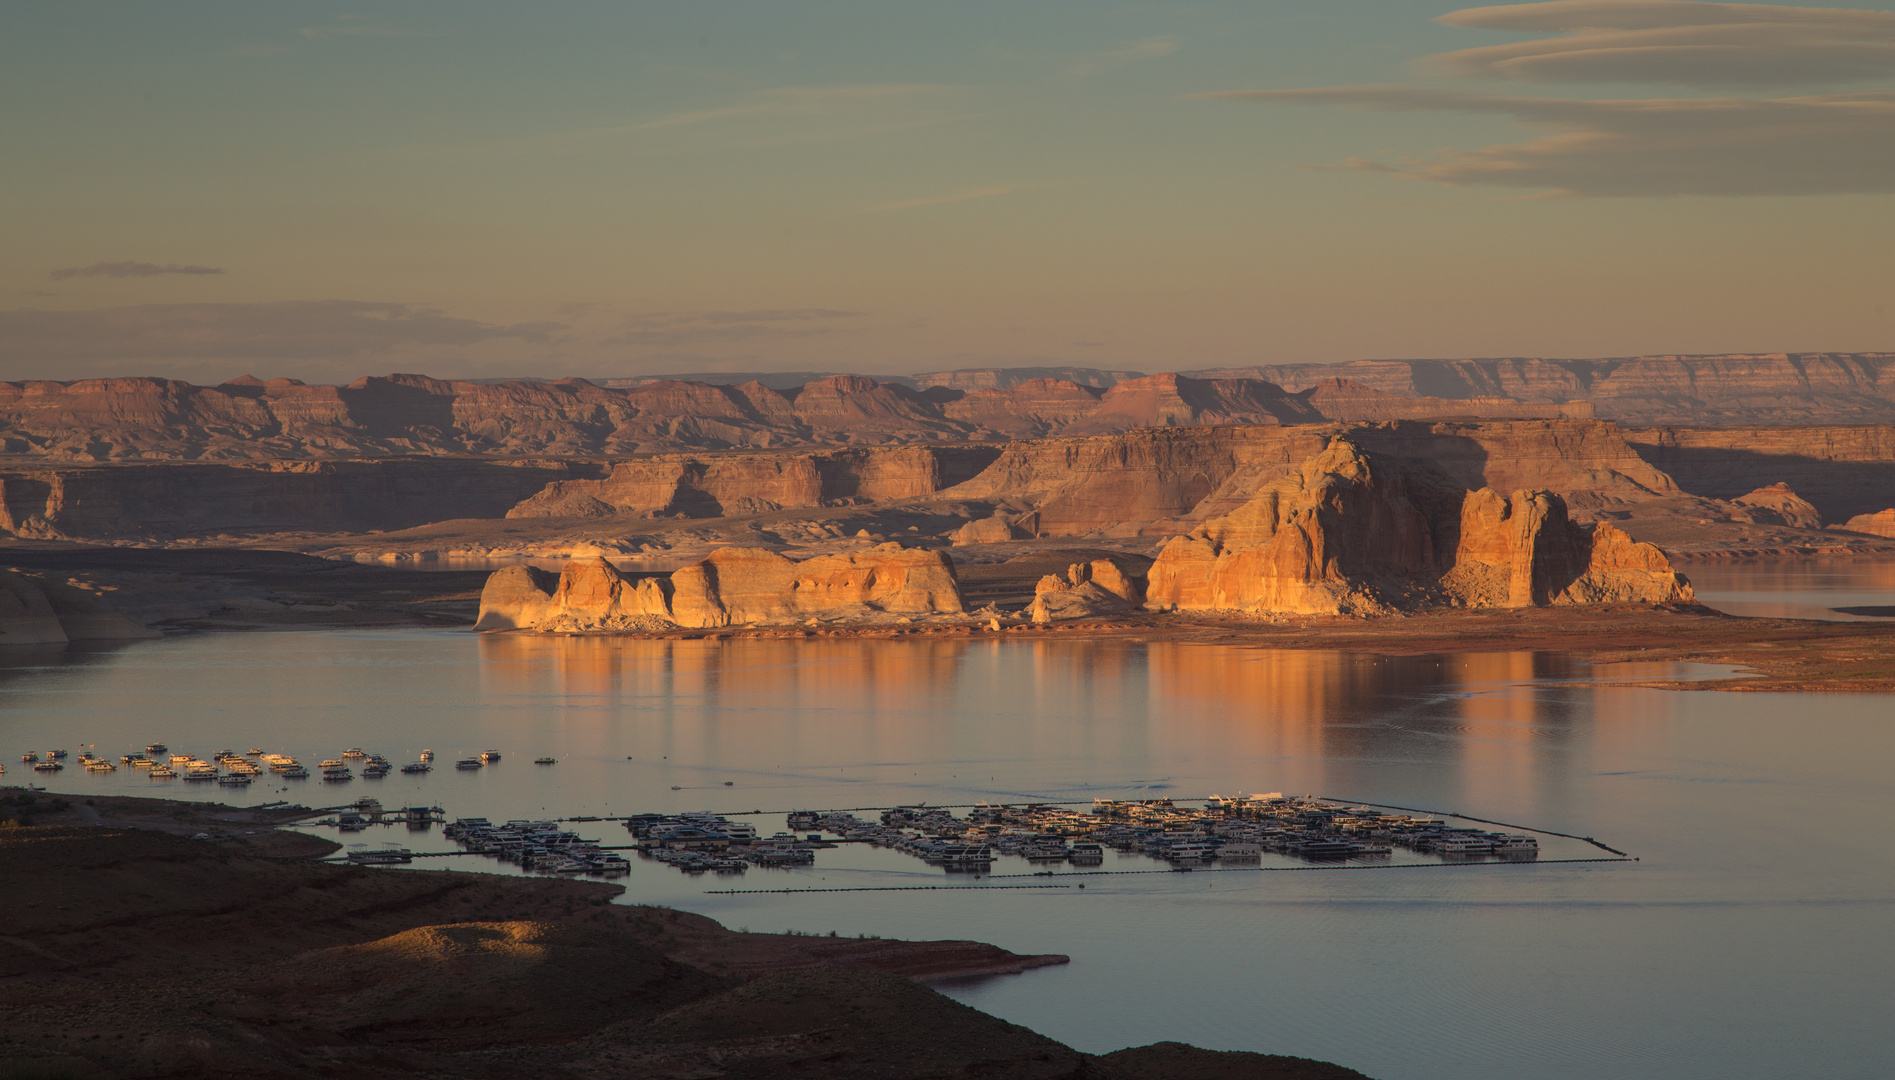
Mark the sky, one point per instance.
(467, 189)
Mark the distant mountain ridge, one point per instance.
(247, 418)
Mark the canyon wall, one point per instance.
(733, 587)
(1154, 481)
(707, 486)
(1732, 388)
(164, 500)
(248, 419)
(1843, 470)
(1350, 532)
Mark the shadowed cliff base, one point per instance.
(394, 973)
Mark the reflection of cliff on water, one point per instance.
(1801, 588)
(1048, 714)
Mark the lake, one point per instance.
(1752, 938)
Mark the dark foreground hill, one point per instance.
(136, 953)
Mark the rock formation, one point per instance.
(705, 486)
(1777, 504)
(161, 500)
(997, 529)
(1355, 533)
(1880, 523)
(1840, 470)
(248, 418)
(734, 586)
(1168, 480)
(1099, 587)
(1731, 388)
(40, 611)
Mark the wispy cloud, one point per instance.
(1148, 49)
(1675, 42)
(1815, 145)
(789, 101)
(356, 26)
(941, 200)
(130, 270)
(297, 329)
(678, 328)
(1823, 144)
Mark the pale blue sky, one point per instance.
(605, 189)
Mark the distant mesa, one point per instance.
(164, 419)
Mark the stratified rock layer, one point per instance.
(734, 586)
(726, 485)
(1356, 533)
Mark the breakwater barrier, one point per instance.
(1174, 870)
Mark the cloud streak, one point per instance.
(130, 270)
(1675, 42)
(354, 26)
(1817, 145)
(680, 328)
(1148, 49)
(284, 330)
(956, 197)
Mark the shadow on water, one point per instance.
(22, 662)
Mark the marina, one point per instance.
(1525, 739)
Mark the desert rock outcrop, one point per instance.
(1355, 533)
(725, 485)
(1777, 504)
(1880, 523)
(734, 586)
(1099, 587)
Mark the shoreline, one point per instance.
(1776, 655)
(386, 971)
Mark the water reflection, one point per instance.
(959, 719)
(1749, 903)
(1806, 588)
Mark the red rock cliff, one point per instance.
(1354, 533)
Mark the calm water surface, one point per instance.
(1752, 939)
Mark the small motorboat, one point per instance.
(545, 761)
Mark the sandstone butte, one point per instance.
(732, 587)
(1353, 533)
(1347, 533)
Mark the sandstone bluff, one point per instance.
(733, 587)
(1348, 533)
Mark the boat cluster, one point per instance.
(697, 842)
(1305, 827)
(1224, 830)
(536, 845)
